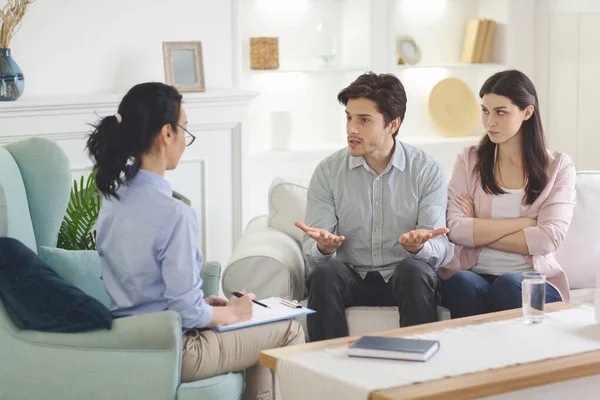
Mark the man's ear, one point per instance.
(395, 124)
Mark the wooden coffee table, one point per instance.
(480, 384)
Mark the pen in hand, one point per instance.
(238, 294)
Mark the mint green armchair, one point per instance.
(139, 358)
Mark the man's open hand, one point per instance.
(414, 241)
(326, 242)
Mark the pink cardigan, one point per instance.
(553, 210)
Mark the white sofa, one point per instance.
(268, 259)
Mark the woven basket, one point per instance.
(264, 53)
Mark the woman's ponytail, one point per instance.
(123, 138)
(110, 152)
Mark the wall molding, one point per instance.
(49, 136)
(568, 7)
(109, 103)
(201, 162)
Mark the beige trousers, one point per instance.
(208, 353)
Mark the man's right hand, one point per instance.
(326, 242)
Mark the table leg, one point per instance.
(273, 390)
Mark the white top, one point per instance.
(496, 262)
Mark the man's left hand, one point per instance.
(414, 241)
(216, 301)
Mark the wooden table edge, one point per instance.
(498, 381)
(479, 384)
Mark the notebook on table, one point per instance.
(279, 310)
(393, 348)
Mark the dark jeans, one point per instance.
(333, 286)
(467, 293)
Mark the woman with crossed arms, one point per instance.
(510, 203)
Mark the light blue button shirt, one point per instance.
(149, 255)
(348, 198)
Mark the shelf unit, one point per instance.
(323, 70)
(480, 66)
(297, 106)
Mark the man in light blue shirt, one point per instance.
(375, 218)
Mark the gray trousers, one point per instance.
(333, 286)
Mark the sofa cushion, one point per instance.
(80, 268)
(222, 387)
(578, 255)
(583, 296)
(363, 320)
(41, 298)
(287, 204)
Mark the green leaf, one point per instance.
(77, 228)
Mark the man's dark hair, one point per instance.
(385, 90)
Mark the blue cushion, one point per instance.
(80, 268)
(41, 298)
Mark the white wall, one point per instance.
(567, 65)
(88, 46)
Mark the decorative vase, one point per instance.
(12, 82)
(326, 45)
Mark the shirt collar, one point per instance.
(144, 177)
(398, 159)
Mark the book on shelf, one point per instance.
(490, 29)
(477, 41)
(394, 348)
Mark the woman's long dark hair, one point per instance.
(144, 110)
(516, 86)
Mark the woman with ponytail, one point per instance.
(510, 203)
(148, 241)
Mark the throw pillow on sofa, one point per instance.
(80, 268)
(41, 298)
(287, 204)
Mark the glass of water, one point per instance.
(533, 290)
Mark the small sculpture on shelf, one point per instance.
(326, 45)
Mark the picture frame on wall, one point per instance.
(184, 67)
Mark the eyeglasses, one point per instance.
(189, 138)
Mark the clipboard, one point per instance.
(279, 310)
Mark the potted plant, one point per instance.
(77, 231)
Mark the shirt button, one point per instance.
(376, 253)
(377, 229)
(376, 203)
(377, 178)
